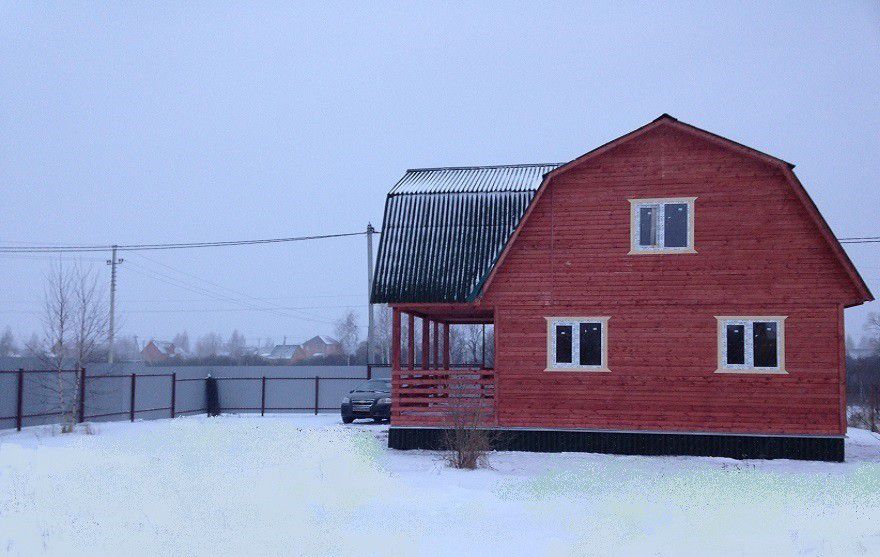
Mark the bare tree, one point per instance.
(872, 326)
(456, 345)
(208, 345)
(181, 342)
(863, 383)
(34, 347)
(236, 345)
(90, 315)
(348, 332)
(74, 320)
(126, 348)
(472, 343)
(382, 333)
(489, 345)
(7, 343)
(466, 344)
(867, 415)
(56, 318)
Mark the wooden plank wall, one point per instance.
(758, 254)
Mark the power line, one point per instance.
(191, 300)
(177, 245)
(191, 245)
(47, 257)
(236, 292)
(200, 310)
(216, 310)
(179, 283)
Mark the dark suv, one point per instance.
(370, 399)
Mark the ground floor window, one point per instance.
(577, 344)
(752, 344)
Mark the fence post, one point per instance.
(82, 395)
(133, 389)
(173, 393)
(369, 371)
(317, 382)
(19, 400)
(263, 397)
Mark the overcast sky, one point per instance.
(127, 124)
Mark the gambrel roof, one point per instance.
(446, 230)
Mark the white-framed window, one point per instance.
(751, 344)
(577, 344)
(662, 225)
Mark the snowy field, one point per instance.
(307, 485)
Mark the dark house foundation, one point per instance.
(636, 443)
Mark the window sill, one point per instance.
(666, 251)
(578, 369)
(753, 371)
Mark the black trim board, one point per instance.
(636, 443)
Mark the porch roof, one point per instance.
(451, 313)
(444, 229)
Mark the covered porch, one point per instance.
(430, 386)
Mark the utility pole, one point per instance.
(113, 261)
(370, 232)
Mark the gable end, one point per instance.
(864, 294)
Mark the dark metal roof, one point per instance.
(461, 179)
(445, 228)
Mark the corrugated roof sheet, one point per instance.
(474, 179)
(444, 228)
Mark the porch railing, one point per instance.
(456, 397)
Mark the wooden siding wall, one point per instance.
(758, 254)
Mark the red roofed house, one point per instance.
(160, 351)
(670, 292)
(319, 345)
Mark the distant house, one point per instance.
(317, 346)
(160, 351)
(283, 352)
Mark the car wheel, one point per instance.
(347, 420)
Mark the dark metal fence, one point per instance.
(155, 395)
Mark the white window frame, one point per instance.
(748, 321)
(660, 203)
(575, 322)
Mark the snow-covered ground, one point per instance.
(307, 485)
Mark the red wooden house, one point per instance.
(670, 292)
(160, 351)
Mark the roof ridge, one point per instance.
(486, 166)
(461, 190)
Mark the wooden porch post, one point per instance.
(445, 345)
(395, 340)
(426, 342)
(436, 345)
(411, 341)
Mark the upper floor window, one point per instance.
(751, 344)
(577, 344)
(662, 225)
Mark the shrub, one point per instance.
(466, 440)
